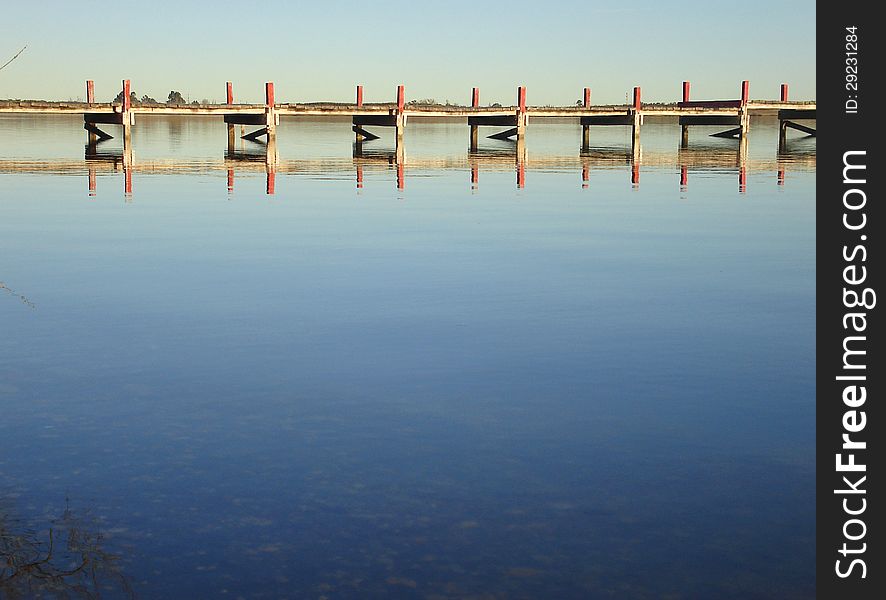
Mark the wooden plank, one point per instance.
(363, 133)
(799, 127)
(504, 135)
(728, 134)
(375, 120)
(256, 134)
(111, 118)
(710, 104)
(608, 120)
(792, 113)
(246, 119)
(101, 135)
(495, 121)
(710, 120)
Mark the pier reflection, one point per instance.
(257, 157)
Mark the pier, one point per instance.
(258, 123)
(732, 113)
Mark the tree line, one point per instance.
(174, 97)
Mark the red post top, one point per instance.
(230, 92)
(685, 91)
(784, 92)
(269, 94)
(359, 95)
(637, 98)
(745, 85)
(90, 91)
(587, 98)
(521, 98)
(127, 99)
(401, 97)
(475, 97)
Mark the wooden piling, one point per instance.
(684, 129)
(637, 121)
(522, 116)
(358, 132)
(91, 175)
(586, 129)
(784, 92)
(744, 114)
(92, 138)
(230, 181)
(127, 117)
(270, 113)
(684, 177)
(475, 129)
(401, 114)
(229, 96)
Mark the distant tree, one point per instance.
(148, 100)
(133, 99)
(175, 98)
(195, 103)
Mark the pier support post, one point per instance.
(475, 129)
(782, 123)
(637, 122)
(127, 105)
(127, 119)
(400, 124)
(522, 116)
(92, 138)
(232, 137)
(270, 114)
(744, 115)
(684, 129)
(586, 129)
(358, 132)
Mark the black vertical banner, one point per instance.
(849, 266)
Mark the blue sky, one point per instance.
(320, 50)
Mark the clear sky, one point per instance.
(319, 50)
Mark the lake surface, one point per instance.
(522, 373)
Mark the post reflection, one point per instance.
(100, 161)
(367, 157)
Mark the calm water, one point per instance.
(582, 387)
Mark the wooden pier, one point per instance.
(732, 113)
(263, 120)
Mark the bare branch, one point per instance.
(17, 54)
